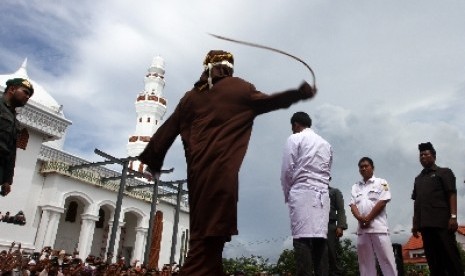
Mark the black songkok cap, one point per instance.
(21, 82)
(425, 146)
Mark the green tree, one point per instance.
(349, 258)
(411, 269)
(249, 265)
(285, 264)
(462, 254)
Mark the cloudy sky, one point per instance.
(391, 74)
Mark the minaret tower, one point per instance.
(150, 109)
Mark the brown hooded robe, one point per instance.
(215, 127)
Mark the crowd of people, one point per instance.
(19, 218)
(58, 262)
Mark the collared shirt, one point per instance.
(365, 195)
(307, 161)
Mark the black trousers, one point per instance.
(441, 252)
(1, 175)
(332, 260)
(309, 253)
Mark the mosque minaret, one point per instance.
(150, 109)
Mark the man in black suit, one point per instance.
(435, 214)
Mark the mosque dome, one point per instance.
(41, 97)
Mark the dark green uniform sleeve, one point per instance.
(8, 136)
(8, 169)
(341, 213)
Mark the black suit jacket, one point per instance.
(431, 195)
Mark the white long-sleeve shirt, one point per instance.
(307, 160)
(305, 176)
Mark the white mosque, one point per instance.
(74, 210)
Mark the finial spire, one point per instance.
(24, 63)
(22, 72)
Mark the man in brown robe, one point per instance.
(215, 121)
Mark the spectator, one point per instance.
(32, 267)
(6, 217)
(19, 218)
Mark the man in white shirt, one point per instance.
(305, 175)
(368, 201)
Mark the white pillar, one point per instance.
(48, 226)
(117, 238)
(86, 235)
(139, 244)
(39, 243)
(51, 234)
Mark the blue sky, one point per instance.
(391, 74)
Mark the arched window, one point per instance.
(140, 120)
(101, 219)
(71, 212)
(148, 120)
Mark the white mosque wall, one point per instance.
(19, 197)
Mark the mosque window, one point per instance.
(148, 120)
(140, 120)
(101, 219)
(71, 212)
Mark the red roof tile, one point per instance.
(413, 243)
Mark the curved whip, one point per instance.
(271, 49)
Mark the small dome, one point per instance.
(41, 96)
